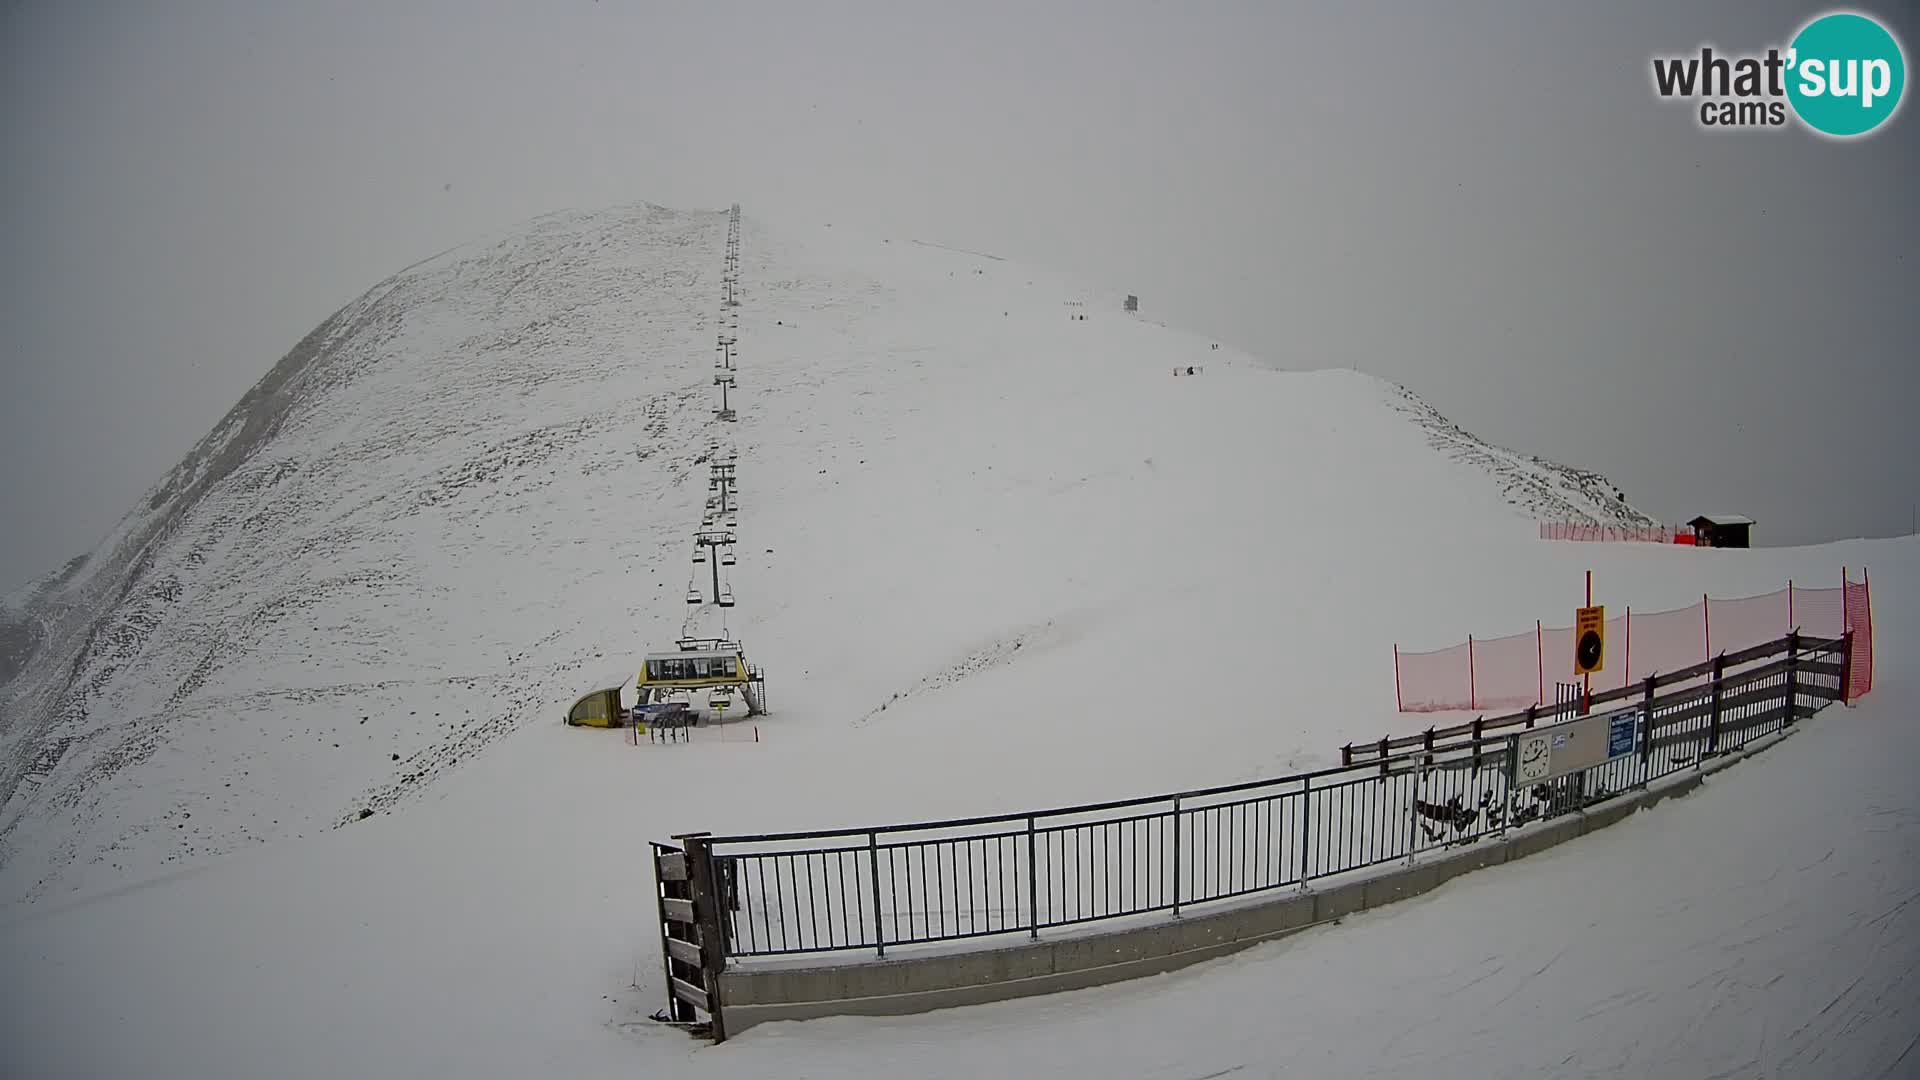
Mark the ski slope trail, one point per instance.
(993, 557)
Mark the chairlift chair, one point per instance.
(699, 553)
(726, 557)
(693, 596)
(726, 597)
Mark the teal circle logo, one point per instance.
(1845, 74)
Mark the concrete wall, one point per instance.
(756, 993)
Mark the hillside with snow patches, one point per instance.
(474, 487)
(302, 706)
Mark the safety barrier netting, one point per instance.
(1522, 669)
(1638, 534)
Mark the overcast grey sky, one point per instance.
(1481, 200)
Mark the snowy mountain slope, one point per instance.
(315, 560)
(1064, 573)
(475, 485)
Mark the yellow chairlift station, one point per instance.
(692, 670)
(705, 665)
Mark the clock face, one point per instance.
(1535, 759)
(1588, 652)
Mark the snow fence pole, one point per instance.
(1706, 623)
(1399, 703)
(1626, 675)
(1866, 585)
(1473, 690)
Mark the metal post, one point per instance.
(1512, 771)
(1713, 722)
(1646, 731)
(1033, 885)
(1846, 661)
(1793, 673)
(1176, 854)
(1306, 825)
(1418, 773)
(873, 867)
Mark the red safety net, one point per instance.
(1631, 534)
(1859, 616)
(1519, 670)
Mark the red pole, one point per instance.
(1790, 622)
(1473, 689)
(1399, 705)
(1586, 681)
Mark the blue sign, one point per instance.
(1620, 728)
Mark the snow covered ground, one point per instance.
(1066, 575)
(1764, 926)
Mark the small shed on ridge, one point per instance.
(1722, 530)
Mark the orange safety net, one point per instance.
(1519, 670)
